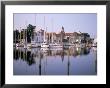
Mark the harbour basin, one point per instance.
(55, 61)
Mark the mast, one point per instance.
(36, 27)
(26, 32)
(49, 37)
(44, 28)
(20, 41)
(25, 35)
(46, 34)
(20, 34)
(35, 19)
(15, 37)
(52, 29)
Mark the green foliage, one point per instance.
(30, 32)
(16, 36)
(25, 33)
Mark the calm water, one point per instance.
(55, 61)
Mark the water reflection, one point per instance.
(44, 61)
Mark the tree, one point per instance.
(22, 33)
(85, 36)
(30, 32)
(16, 36)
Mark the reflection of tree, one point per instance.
(30, 59)
(16, 57)
(82, 51)
(24, 55)
(29, 56)
(86, 51)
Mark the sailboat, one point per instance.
(54, 45)
(20, 43)
(25, 43)
(44, 44)
(33, 43)
(25, 37)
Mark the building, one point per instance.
(51, 37)
(73, 37)
(61, 37)
(39, 36)
(85, 37)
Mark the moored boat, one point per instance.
(44, 45)
(52, 45)
(34, 45)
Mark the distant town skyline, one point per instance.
(72, 22)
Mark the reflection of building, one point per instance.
(37, 57)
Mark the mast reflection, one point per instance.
(37, 55)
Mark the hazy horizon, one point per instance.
(72, 22)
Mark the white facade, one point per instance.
(39, 36)
(95, 40)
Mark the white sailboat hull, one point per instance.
(25, 47)
(34, 45)
(44, 46)
(56, 45)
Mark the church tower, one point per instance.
(62, 34)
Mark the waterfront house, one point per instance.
(61, 37)
(51, 37)
(39, 36)
(73, 37)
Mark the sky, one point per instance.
(53, 22)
